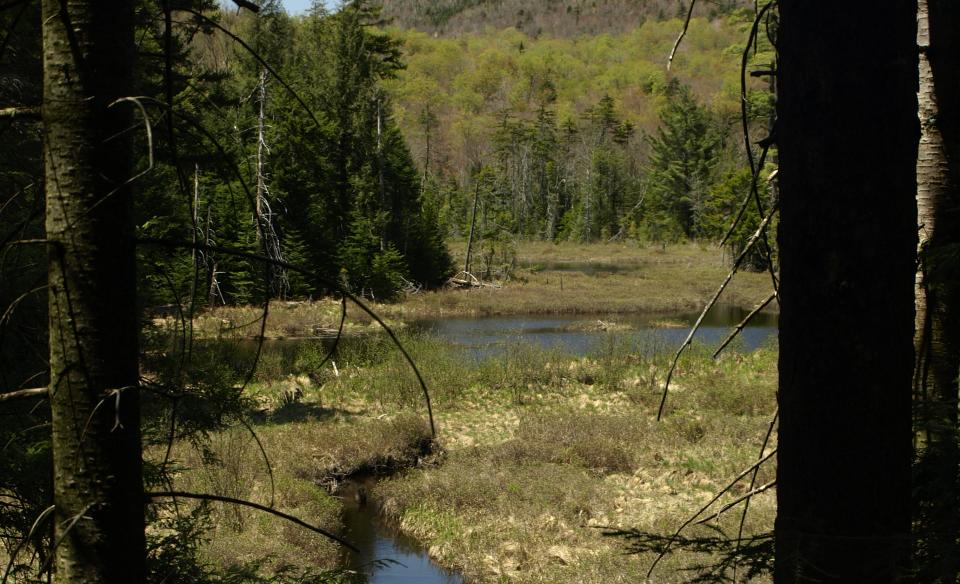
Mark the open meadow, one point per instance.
(542, 455)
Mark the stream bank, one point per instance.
(386, 555)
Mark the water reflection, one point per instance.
(581, 334)
(386, 555)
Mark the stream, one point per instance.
(386, 555)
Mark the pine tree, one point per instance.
(683, 154)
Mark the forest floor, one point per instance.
(540, 456)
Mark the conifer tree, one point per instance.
(683, 154)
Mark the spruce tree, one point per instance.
(683, 154)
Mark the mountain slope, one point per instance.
(559, 18)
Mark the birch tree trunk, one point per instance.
(847, 137)
(938, 292)
(98, 489)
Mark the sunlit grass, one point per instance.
(646, 279)
(543, 451)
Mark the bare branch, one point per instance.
(736, 266)
(70, 523)
(746, 199)
(13, 305)
(260, 60)
(686, 24)
(332, 285)
(749, 494)
(248, 5)
(252, 505)
(266, 459)
(739, 328)
(753, 481)
(23, 393)
(26, 113)
(715, 498)
(20, 545)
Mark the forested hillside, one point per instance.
(564, 18)
(586, 138)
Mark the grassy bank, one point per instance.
(543, 453)
(547, 279)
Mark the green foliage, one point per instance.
(725, 200)
(368, 268)
(556, 121)
(683, 154)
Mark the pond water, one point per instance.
(386, 555)
(580, 334)
(588, 268)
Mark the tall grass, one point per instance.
(543, 449)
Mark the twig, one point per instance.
(746, 199)
(248, 5)
(743, 93)
(27, 113)
(252, 505)
(736, 266)
(70, 523)
(20, 545)
(686, 23)
(260, 60)
(132, 179)
(266, 459)
(715, 498)
(13, 305)
(765, 143)
(738, 500)
(23, 393)
(753, 481)
(739, 328)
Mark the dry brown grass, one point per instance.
(306, 457)
(527, 485)
(648, 279)
(544, 450)
(526, 490)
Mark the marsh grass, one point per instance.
(645, 279)
(545, 451)
(307, 458)
(529, 493)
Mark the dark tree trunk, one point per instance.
(848, 136)
(98, 489)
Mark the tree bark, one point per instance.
(98, 489)
(847, 134)
(938, 292)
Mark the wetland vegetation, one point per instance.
(543, 449)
